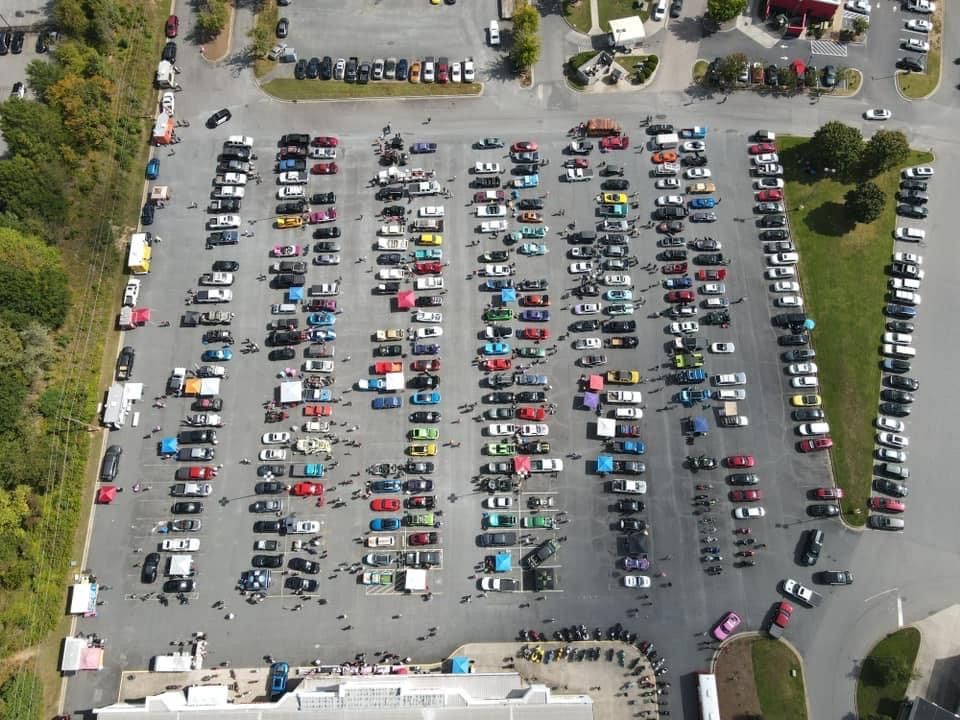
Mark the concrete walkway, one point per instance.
(938, 659)
(594, 17)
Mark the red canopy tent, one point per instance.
(106, 494)
(521, 464)
(595, 383)
(798, 67)
(406, 299)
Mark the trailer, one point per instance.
(138, 259)
(391, 243)
(602, 127)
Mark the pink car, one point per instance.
(727, 626)
(323, 216)
(285, 251)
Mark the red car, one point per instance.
(531, 413)
(305, 489)
(887, 505)
(739, 461)
(201, 472)
(318, 304)
(423, 538)
(577, 163)
(318, 410)
(761, 148)
(769, 195)
(421, 501)
(427, 365)
(523, 146)
(824, 443)
(495, 196)
(428, 268)
(325, 141)
(746, 495)
(497, 364)
(615, 142)
(534, 334)
(535, 300)
(680, 296)
(674, 268)
(330, 168)
(172, 27)
(385, 504)
(711, 274)
(828, 493)
(659, 158)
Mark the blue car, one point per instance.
(680, 283)
(498, 284)
(703, 203)
(278, 678)
(385, 524)
(527, 181)
(386, 486)
(314, 470)
(427, 349)
(619, 295)
(629, 447)
(318, 334)
(215, 355)
(535, 315)
(289, 164)
(425, 398)
(423, 147)
(153, 169)
(321, 318)
(386, 403)
(496, 348)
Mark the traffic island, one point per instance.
(920, 85)
(295, 90)
(760, 677)
(885, 673)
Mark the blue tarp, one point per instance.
(508, 295)
(168, 446)
(604, 463)
(503, 562)
(295, 294)
(700, 424)
(460, 665)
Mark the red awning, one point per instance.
(406, 299)
(107, 494)
(595, 382)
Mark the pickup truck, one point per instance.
(229, 191)
(391, 243)
(213, 296)
(392, 229)
(377, 384)
(421, 558)
(390, 335)
(230, 179)
(491, 226)
(292, 177)
(633, 487)
(293, 526)
(125, 363)
(216, 317)
(690, 375)
(578, 175)
(176, 380)
(802, 593)
(216, 278)
(696, 133)
(546, 465)
(781, 618)
(429, 187)
(131, 293)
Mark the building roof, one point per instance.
(925, 710)
(631, 27)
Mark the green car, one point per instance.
(499, 520)
(425, 433)
(533, 249)
(536, 232)
(690, 360)
(378, 578)
(428, 254)
(538, 521)
(531, 352)
(498, 314)
(616, 211)
(501, 448)
(421, 520)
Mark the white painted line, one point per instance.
(882, 592)
(899, 611)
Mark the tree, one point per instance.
(260, 39)
(865, 202)
(836, 145)
(526, 50)
(212, 18)
(41, 76)
(891, 670)
(33, 129)
(730, 67)
(722, 10)
(860, 25)
(526, 19)
(886, 149)
(33, 284)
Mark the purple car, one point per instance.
(634, 563)
(680, 283)
(430, 349)
(535, 315)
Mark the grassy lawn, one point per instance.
(700, 70)
(874, 696)
(578, 14)
(842, 272)
(630, 62)
(266, 23)
(782, 696)
(292, 89)
(919, 85)
(615, 9)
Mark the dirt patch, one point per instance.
(217, 49)
(735, 685)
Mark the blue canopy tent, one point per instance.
(295, 294)
(503, 562)
(591, 400)
(699, 425)
(604, 464)
(809, 324)
(168, 446)
(460, 665)
(508, 295)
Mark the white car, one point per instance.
(426, 316)
(323, 153)
(908, 257)
(749, 513)
(492, 211)
(918, 172)
(486, 168)
(319, 366)
(469, 70)
(224, 222)
(428, 332)
(291, 192)
(898, 338)
(776, 273)
(923, 26)
(916, 45)
(580, 268)
(694, 146)
(590, 343)
(890, 424)
(496, 270)
(624, 397)
(628, 413)
(893, 440)
(768, 183)
(766, 159)
(785, 286)
(501, 429)
(669, 183)
(272, 454)
(687, 327)
(878, 114)
(498, 502)
(722, 348)
(922, 6)
(275, 438)
(716, 302)
(670, 200)
(804, 368)
(617, 280)
(891, 455)
(534, 429)
(697, 173)
(431, 211)
(713, 289)
(586, 309)
(788, 301)
(180, 544)
(909, 234)
(291, 177)
(636, 581)
(787, 258)
(858, 6)
(391, 274)
(804, 381)
(616, 225)
(455, 73)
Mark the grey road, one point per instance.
(831, 639)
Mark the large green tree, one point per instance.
(865, 202)
(722, 10)
(526, 38)
(839, 146)
(33, 129)
(33, 283)
(730, 67)
(886, 149)
(212, 18)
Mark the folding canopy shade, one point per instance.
(700, 425)
(595, 383)
(591, 400)
(508, 295)
(406, 299)
(503, 562)
(460, 665)
(295, 294)
(604, 464)
(606, 427)
(168, 446)
(106, 494)
(798, 67)
(521, 464)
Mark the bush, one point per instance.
(722, 10)
(33, 284)
(21, 697)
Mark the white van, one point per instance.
(283, 308)
(814, 428)
(667, 141)
(730, 379)
(906, 297)
(899, 351)
(495, 33)
(910, 234)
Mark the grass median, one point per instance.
(779, 680)
(885, 674)
(577, 14)
(292, 89)
(842, 272)
(917, 86)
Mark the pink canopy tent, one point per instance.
(406, 299)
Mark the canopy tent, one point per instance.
(798, 67)
(79, 655)
(83, 599)
(295, 294)
(291, 391)
(141, 316)
(591, 400)
(595, 383)
(106, 494)
(394, 381)
(503, 562)
(508, 295)
(406, 300)
(460, 665)
(636, 544)
(606, 427)
(604, 464)
(521, 464)
(809, 324)
(699, 425)
(544, 579)
(415, 580)
(168, 446)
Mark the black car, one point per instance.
(794, 339)
(389, 259)
(836, 577)
(659, 129)
(912, 211)
(223, 237)
(225, 266)
(902, 382)
(890, 487)
(893, 365)
(424, 382)
(629, 467)
(270, 487)
(301, 584)
(324, 198)
(186, 508)
(283, 28)
(497, 539)
(499, 413)
(914, 197)
(391, 193)
(619, 326)
(326, 247)
(425, 416)
(799, 355)
(218, 118)
(267, 526)
(125, 363)
(267, 561)
(326, 233)
(43, 42)
(619, 239)
(829, 77)
(615, 184)
(286, 353)
(621, 341)
(486, 181)
(894, 409)
(676, 8)
(743, 479)
(582, 253)
(194, 437)
(182, 585)
(300, 69)
(326, 68)
(388, 351)
(350, 72)
(291, 208)
(5, 37)
(812, 547)
(777, 234)
(501, 396)
(913, 64)
(110, 466)
(147, 214)
(587, 290)
(901, 312)
(807, 414)
(771, 76)
(902, 397)
(531, 396)
(531, 204)
(169, 52)
(823, 510)
(671, 212)
(303, 565)
(911, 184)
(16, 46)
(150, 567)
(630, 506)
(584, 325)
(773, 221)
(694, 160)
(227, 205)
(421, 467)
(218, 336)
(363, 74)
(418, 486)
(289, 280)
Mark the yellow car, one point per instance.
(805, 401)
(614, 199)
(289, 221)
(623, 377)
(430, 239)
(701, 188)
(422, 449)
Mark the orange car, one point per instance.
(528, 216)
(414, 75)
(318, 410)
(667, 156)
(384, 367)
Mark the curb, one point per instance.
(374, 98)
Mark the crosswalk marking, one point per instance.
(828, 47)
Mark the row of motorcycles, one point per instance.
(580, 633)
(709, 550)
